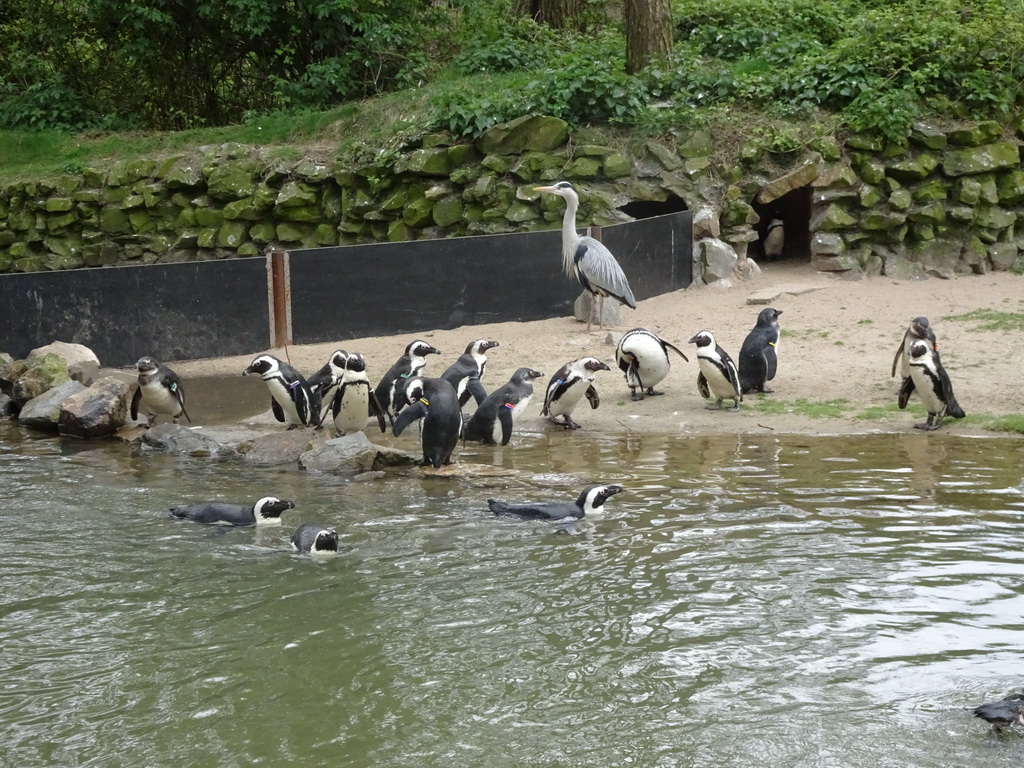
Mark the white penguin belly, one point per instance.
(566, 404)
(282, 395)
(926, 390)
(719, 385)
(354, 410)
(158, 399)
(652, 369)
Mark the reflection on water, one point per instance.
(751, 600)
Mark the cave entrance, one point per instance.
(646, 209)
(794, 210)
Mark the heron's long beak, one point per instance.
(543, 189)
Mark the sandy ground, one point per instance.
(838, 341)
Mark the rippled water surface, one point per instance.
(778, 601)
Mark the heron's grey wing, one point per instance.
(602, 271)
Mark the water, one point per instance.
(767, 600)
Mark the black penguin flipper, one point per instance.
(556, 389)
(906, 390)
(592, 397)
(771, 361)
(952, 406)
(899, 353)
(414, 412)
(667, 346)
(702, 386)
(277, 409)
(505, 419)
(373, 406)
(136, 399)
(475, 388)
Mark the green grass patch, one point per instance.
(814, 409)
(885, 412)
(991, 320)
(1013, 422)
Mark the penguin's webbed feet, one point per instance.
(635, 397)
(570, 424)
(736, 407)
(715, 406)
(650, 391)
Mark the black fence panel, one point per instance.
(169, 311)
(383, 289)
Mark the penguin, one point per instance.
(1003, 713)
(465, 373)
(919, 328)
(718, 375)
(266, 511)
(568, 386)
(759, 358)
(931, 382)
(774, 239)
(353, 401)
(315, 539)
(643, 357)
(493, 420)
(159, 392)
(324, 382)
(390, 390)
(290, 397)
(434, 401)
(591, 501)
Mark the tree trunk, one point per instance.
(648, 32)
(560, 14)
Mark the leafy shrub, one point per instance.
(889, 113)
(515, 45)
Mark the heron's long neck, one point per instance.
(569, 237)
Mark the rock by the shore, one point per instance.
(6, 405)
(43, 412)
(23, 380)
(283, 447)
(98, 411)
(82, 363)
(177, 438)
(355, 453)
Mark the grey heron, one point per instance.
(595, 267)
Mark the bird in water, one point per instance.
(266, 511)
(591, 501)
(594, 265)
(1003, 713)
(315, 539)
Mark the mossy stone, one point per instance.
(988, 157)
(114, 221)
(975, 135)
(418, 213)
(310, 214)
(262, 232)
(291, 233)
(54, 223)
(930, 191)
(141, 221)
(447, 211)
(1010, 187)
(209, 217)
(900, 200)
(869, 196)
(913, 168)
(881, 220)
(832, 219)
(58, 204)
(231, 234)
(540, 133)
(617, 165)
(399, 232)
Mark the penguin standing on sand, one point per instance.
(290, 397)
(465, 373)
(159, 392)
(759, 358)
(434, 401)
(591, 501)
(390, 391)
(353, 401)
(315, 539)
(774, 239)
(931, 382)
(718, 374)
(266, 511)
(494, 419)
(919, 328)
(567, 388)
(643, 357)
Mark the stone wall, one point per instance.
(949, 202)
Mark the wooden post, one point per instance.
(279, 295)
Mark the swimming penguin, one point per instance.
(643, 357)
(1003, 713)
(493, 420)
(266, 511)
(434, 401)
(354, 402)
(774, 239)
(315, 539)
(591, 501)
(931, 382)
(324, 382)
(919, 328)
(718, 375)
(290, 398)
(159, 392)
(390, 389)
(568, 386)
(759, 354)
(465, 373)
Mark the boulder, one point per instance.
(804, 173)
(355, 453)
(43, 412)
(584, 306)
(534, 132)
(705, 223)
(990, 157)
(717, 259)
(98, 411)
(82, 363)
(277, 448)
(177, 438)
(35, 377)
(6, 405)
